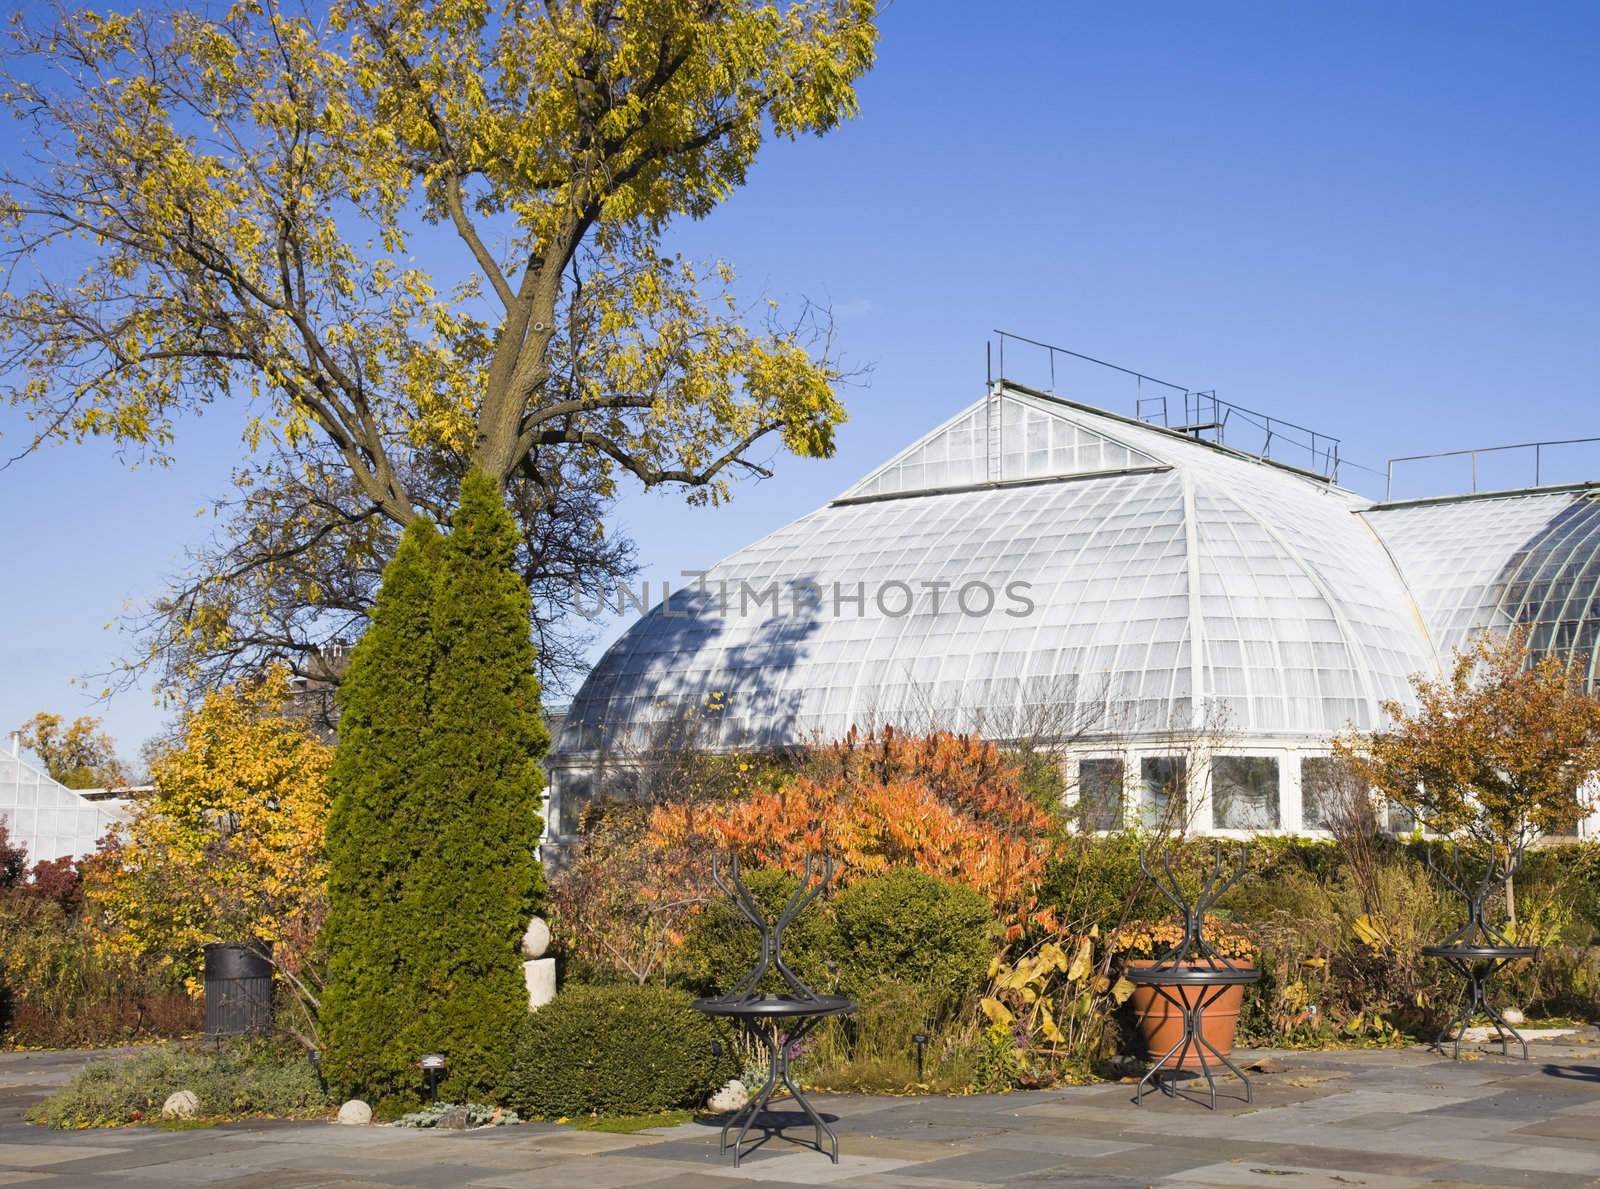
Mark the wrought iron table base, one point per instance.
(1477, 965)
(779, 1046)
(782, 1021)
(1208, 992)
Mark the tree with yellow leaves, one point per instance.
(1502, 750)
(234, 206)
(229, 847)
(77, 754)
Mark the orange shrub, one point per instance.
(950, 805)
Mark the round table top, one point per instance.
(767, 1007)
(1480, 953)
(1193, 976)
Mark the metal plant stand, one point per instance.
(1192, 976)
(780, 1021)
(1477, 952)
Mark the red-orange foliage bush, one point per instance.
(951, 805)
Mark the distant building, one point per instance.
(51, 820)
(1036, 560)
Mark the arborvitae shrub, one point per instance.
(625, 1049)
(380, 791)
(435, 819)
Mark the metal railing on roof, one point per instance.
(1206, 416)
(1475, 453)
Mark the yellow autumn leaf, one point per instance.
(1081, 961)
(999, 1014)
(1047, 1025)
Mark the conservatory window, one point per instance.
(1100, 794)
(1162, 791)
(1244, 793)
(1321, 786)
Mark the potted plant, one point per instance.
(1140, 945)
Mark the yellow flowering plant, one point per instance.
(1152, 939)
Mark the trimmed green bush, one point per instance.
(626, 1050)
(435, 817)
(246, 1077)
(910, 927)
(722, 946)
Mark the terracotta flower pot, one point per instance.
(1161, 1023)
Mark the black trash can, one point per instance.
(238, 990)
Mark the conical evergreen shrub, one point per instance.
(375, 831)
(435, 821)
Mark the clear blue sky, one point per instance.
(1377, 219)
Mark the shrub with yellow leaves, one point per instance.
(227, 848)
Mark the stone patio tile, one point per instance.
(1468, 1174)
(579, 1143)
(1356, 1160)
(28, 1156)
(1544, 1158)
(1153, 1164)
(1259, 1172)
(900, 1149)
(1065, 1145)
(1377, 1121)
(990, 1166)
(207, 1170)
(587, 1174)
(1565, 1127)
(936, 1132)
(806, 1168)
(1054, 1178)
(698, 1151)
(696, 1181)
(1544, 1094)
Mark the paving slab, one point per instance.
(1375, 1118)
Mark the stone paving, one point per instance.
(1326, 1120)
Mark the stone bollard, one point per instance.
(538, 972)
(355, 1113)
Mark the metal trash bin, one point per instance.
(238, 990)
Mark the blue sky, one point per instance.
(1376, 219)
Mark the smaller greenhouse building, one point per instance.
(1179, 613)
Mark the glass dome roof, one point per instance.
(1030, 555)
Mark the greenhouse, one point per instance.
(1172, 610)
(51, 820)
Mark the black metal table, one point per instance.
(1478, 951)
(1477, 965)
(781, 1022)
(1192, 975)
(1192, 989)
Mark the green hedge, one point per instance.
(622, 1050)
(721, 946)
(904, 927)
(909, 927)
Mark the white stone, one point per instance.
(730, 1098)
(539, 976)
(180, 1104)
(355, 1113)
(536, 941)
(1513, 1016)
